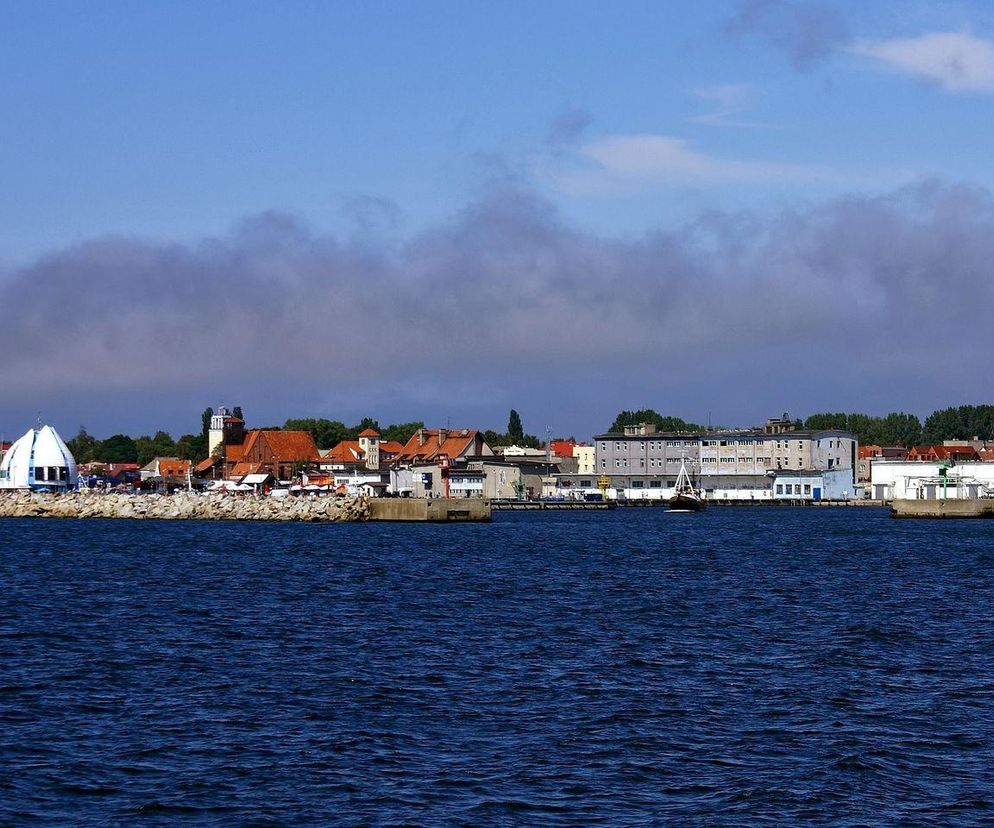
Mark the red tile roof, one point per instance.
(207, 465)
(241, 469)
(347, 451)
(369, 432)
(173, 467)
(292, 445)
(450, 442)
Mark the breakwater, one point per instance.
(183, 506)
(950, 508)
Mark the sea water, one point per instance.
(741, 666)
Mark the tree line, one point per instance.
(898, 428)
(962, 422)
(122, 448)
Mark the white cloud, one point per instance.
(957, 62)
(728, 101)
(619, 163)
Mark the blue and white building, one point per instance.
(39, 461)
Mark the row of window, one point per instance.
(793, 488)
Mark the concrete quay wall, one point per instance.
(430, 510)
(949, 508)
(183, 506)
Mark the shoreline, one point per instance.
(183, 506)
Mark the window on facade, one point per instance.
(655, 484)
(585, 484)
(807, 488)
(637, 484)
(603, 464)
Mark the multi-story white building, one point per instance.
(644, 463)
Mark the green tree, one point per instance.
(514, 428)
(900, 429)
(145, 450)
(119, 448)
(237, 412)
(83, 446)
(326, 433)
(362, 425)
(192, 447)
(401, 432)
(205, 422)
(962, 422)
(648, 415)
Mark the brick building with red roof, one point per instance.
(279, 453)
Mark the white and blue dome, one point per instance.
(39, 460)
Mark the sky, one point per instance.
(442, 211)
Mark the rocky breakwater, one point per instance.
(183, 506)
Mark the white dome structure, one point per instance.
(40, 461)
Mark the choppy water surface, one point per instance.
(739, 667)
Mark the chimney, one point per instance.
(443, 435)
(421, 437)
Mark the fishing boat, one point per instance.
(685, 497)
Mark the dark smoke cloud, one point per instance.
(807, 32)
(862, 303)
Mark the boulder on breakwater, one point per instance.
(182, 506)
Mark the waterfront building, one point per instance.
(643, 463)
(836, 484)
(931, 480)
(40, 461)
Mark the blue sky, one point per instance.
(379, 129)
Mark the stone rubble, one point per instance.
(183, 506)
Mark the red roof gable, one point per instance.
(347, 451)
(429, 443)
(369, 432)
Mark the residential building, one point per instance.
(369, 451)
(956, 453)
(166, 467)
(585, 458)
(428, 444)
